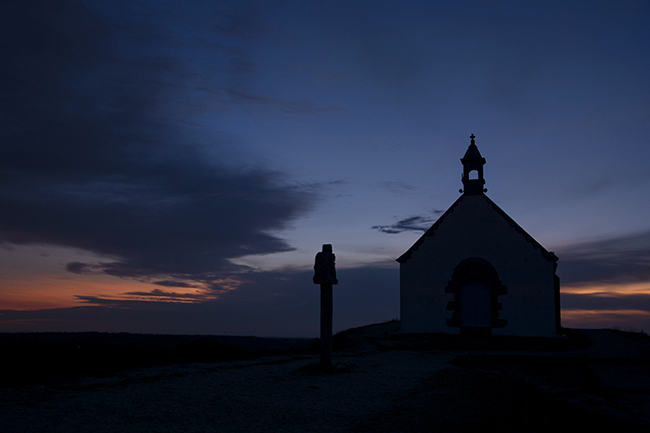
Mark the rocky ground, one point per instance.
(384, 382)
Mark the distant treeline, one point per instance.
(41, 357)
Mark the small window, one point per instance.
(473, 175)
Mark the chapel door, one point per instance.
(475, 305)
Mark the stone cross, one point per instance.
(325, 275)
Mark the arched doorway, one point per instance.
(476, 286)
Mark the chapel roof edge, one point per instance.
(550, 256)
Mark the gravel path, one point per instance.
(266, 395)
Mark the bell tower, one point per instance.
(473, 162)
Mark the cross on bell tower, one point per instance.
(473, 162)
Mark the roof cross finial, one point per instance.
(472, 137)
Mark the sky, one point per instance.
(174, 167)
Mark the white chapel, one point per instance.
(476, 271)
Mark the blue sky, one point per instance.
(174, 167)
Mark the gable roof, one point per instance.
(550, 256)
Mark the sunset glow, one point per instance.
(175, 166)
(624, 320)
(609, 289)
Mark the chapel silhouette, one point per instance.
(477, 271)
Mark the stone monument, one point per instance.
(325, 275)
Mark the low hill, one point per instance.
(386, 381)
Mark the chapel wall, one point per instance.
(475, 229)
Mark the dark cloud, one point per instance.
(624, 259)
(77, 267)
(411, 224)
(168, 283)
(94, 154)
(278, 303)
(93, 300)
(164, 295)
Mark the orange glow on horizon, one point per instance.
(44, 292)
(620, 289)
(40, 292)
(626, 320)
(34, 277)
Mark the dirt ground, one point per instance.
(384, 382)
